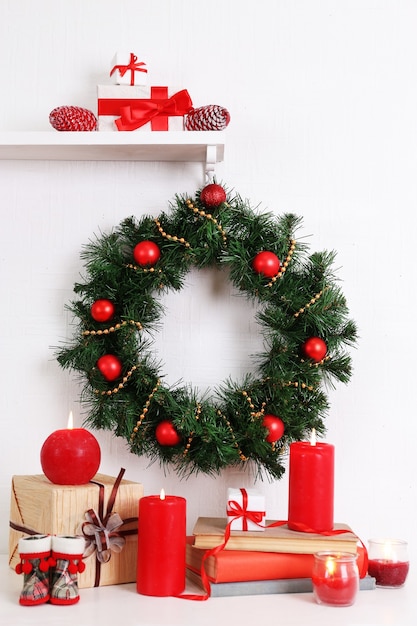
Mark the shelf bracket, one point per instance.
(211, 160)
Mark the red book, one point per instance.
(245, 565)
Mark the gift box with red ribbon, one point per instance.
(104, 511)
(127, 108)
(248, 507)
(127, 70)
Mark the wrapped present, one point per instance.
(126, 70)
(245, 509)
(126, 108)
(104, 511)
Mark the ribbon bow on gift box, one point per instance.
(100, 529)
(102, 538)
(159, 106)
(132, 66)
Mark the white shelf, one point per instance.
(193, 146)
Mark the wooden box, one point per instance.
(40, 507)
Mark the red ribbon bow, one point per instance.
(132, 66)
(144, 111)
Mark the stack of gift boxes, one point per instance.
(130, 104)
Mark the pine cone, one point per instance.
(72, 118)
(210, 117)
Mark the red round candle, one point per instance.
(70, 456)
(161, 545)
(311, 486)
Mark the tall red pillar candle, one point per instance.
(161, 545)
(311, 486)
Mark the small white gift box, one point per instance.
(245, 509)
(126, 70)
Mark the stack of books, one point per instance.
(276, 560)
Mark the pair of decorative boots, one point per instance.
(50, 565)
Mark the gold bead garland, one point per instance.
(137, 268)
(144, 410)
(120, 386)
(285, 264)
(208, 216)
(235, 443)
(317, 363)
(191, 435)
(170, 237)
(112, 329)
(296, 384)
(254, 414)
(311, 302)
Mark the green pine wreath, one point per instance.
(302, 314)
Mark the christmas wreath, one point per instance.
(302, 314)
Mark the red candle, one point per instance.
(311, 486)
(161, 545)
(335, 578)
(70, 456)
(388, 561)
(388, 573)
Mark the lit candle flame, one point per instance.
(388, 552)
(70, 421)
(313, 439)
(162, 494)
(330, 566)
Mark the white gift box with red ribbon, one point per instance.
(126, 108)
(127, 70)
(245, 509)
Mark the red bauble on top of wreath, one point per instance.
(301, 312)
(213, 195)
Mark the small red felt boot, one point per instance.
(35, 561)
(67, 553)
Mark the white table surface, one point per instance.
(120, 605)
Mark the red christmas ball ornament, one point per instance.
(146, 253)
(266, 263)
(213, 195)
(275, 427)
(110, 366)
(314, 348)
(102, 310)
(166, 434)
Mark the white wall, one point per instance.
(323, 101)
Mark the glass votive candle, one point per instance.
(388, 561)
(335, 578)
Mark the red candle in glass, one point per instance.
(388, 562)
(161, 545)
(311, 486)
(335, 578)
(70, 456)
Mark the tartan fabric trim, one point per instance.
(64, 584)
(35, 586)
